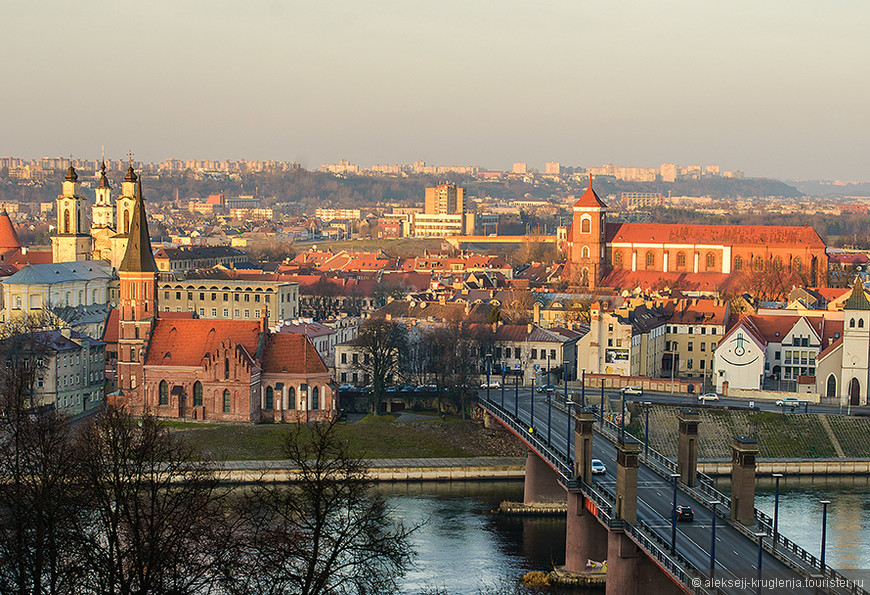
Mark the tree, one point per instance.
(517, 307)
(325, 533)
(39, 508)
(156, 523)
(381, 350)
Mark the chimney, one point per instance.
(264, 315)
(529, 328)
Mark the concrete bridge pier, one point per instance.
(743, 459)
(631, 572)
(627, 451)
(489, 421)
(541, 482)
(585, 536)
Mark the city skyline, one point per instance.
(766, 89)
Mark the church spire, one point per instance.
(138, 257)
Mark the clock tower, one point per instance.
(587, 240)
(73, 240)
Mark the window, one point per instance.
(202, 311)
(270, 398)
(681, 260)
(667, 345)
(164, 393)
(355, 358)
(226, 367)
(759, 263)
(201, 296)
(797, 265)
(703, 363)
(711, 261)
(585, 252)
(619, 342)
(213, 297)
(552, 354)
(247, 313)
(703, 330)
(315, 399)
(586, 226)
(534, 354)
(267, 298)
(776, 355)
(165, 295)
(617, 259)
(247, 297)
(214, 312)
(703, 346)
(738, 263)
(860, 323)
(190, 295)
(691, 330)
(236, 297)
(227, 401)
(197, 394)
(236, 313)
(257, 297)
(344, 358)
(689, 346)
(226, 312)
(344, 377)
(650, 260)
(226, 297)
(689, 364)
(610, 342)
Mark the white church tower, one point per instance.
(855, 376)
(73, 240)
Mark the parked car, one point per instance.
(598, 467)
(708, 397)
(547, 388)
(346, 386)
(788, 402)
(685, 513)
(391, 389)
(633, 390)
(492, 384)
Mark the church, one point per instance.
(178, 366)
(705, 257)
(101, 234)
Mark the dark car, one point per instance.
(685, 513)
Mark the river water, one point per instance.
(464, 548)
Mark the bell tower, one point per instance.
(73, 241)
(587, 239)
(138, 304)
(124, 215)
(104, 210)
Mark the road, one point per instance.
(736, 555)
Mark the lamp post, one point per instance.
(674, 477)
(583, 388)
(532, 410)
(565, 365)
(622, 419)
(488, 366)
(760, 537)
(568, 434)
(824, 504)
(646, 405)
(516, 395)
(502, 385)
(549, 413)
(602, 401)
(548, 368)
(777, 477)
(713, 504)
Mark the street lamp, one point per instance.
(565, 365)
(674, 477)
(646, 405)
(777, 477)
(548, 368)
(713, 504)
(488, 366)
(516, 395)
(549, 413)
(568, 404)
(583, 388)
(824, 504)
(760, 537)
(503, 368)
(602, 401)
(622, 419)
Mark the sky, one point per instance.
(779, 88)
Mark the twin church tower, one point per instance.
(104, 234)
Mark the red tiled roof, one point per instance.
(290, 353)
(110, 333)
(31, 257)
(186, 342)
(626, 279)
(589, 198)
(8, 237)
(728, 235)
(849, 258)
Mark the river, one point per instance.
(465, 549)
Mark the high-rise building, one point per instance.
(445, 199)
(553, 168)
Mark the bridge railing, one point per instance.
(797, 555)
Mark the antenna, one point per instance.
(103, 154)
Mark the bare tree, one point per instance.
(381, 354)
(157, 524)
(327, 532)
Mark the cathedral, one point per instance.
(100, 234)
(705, 257)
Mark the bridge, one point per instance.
(627, 515)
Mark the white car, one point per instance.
(708, 397)
(632, 390)
(788, 402)
(493, 384)
(598, 467)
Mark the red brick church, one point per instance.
(627, 255)
(228, 370)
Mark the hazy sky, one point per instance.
(775, 88)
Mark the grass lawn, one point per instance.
(378, 437)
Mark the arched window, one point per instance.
(738, 263)
(227, 401)
(291, 396)
(711, 261)
(797, 265)
(270, 398)
(66, 221)
(650, 260)
(586, 226)
(759, 263)
(681, 260)
(832, 386)
(860, 323)
(584, 277)
(226, 367)
(851, 323)
(315, 399)
(126, 221)
(617, 259)
(777, 263)
(197, 394)
(585, 252)
(164, 393)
